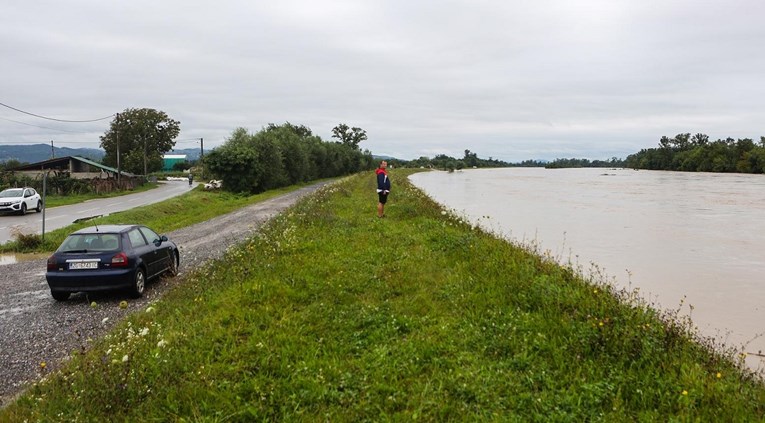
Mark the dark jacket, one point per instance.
(383, 183)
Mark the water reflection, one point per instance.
(13, 258)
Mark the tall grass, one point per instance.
(331, 314)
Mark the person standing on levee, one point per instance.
(383, 188)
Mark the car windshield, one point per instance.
(11, 193)
(90, 242)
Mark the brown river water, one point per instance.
(694, 241)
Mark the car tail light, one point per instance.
(52, 264)
(120, 260)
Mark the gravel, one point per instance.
(35, 329)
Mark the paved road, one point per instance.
(58, 217)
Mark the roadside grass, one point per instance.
(332, 314)
(65, 200)
(187, 209)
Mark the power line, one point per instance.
(44, 127)
(57, 120)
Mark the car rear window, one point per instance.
(90, 242)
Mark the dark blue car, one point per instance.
(110, 257)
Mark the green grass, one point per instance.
(187, 209)
(331, 314)
(64, 200)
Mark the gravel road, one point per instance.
(34, 328)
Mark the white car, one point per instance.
(19, 200)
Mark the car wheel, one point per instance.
(174, 263)
(38, 209)
(139, 283)
(59, 295)
(23, 210)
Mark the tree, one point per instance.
(349, 136)
(181, 166)
(470, 159)
(137, 139)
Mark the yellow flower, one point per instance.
(719, 375)
(42, 365)
(685, 392)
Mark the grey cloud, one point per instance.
(508, 79)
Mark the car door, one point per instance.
(28, 198)
(162, 251)
(144, 250)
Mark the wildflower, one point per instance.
(144, 332)
(685, 392)
(161, 343)
(42, 365)
(125, 358)
(719, 375)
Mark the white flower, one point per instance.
(125, 358)
(144, 332)
(161, 343)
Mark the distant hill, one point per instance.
(40, 152)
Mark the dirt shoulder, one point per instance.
(35, 329)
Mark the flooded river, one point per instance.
(673, 235)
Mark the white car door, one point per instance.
(29, 198)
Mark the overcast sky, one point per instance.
(509, 79)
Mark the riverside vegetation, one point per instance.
(332, 314)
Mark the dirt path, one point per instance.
(34, 328)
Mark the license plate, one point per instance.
(83, 265)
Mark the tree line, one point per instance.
(698, 154)
(281, 155)
(567, 163)
(445, 162)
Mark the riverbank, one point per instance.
(331, 313)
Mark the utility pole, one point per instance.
(117, 136)
(52, 152)
(202, 156)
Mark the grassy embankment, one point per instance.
(178, 212)
(333, 314)
(64, 200)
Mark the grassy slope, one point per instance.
(63, 200)
(193, 207)
(333, 314)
